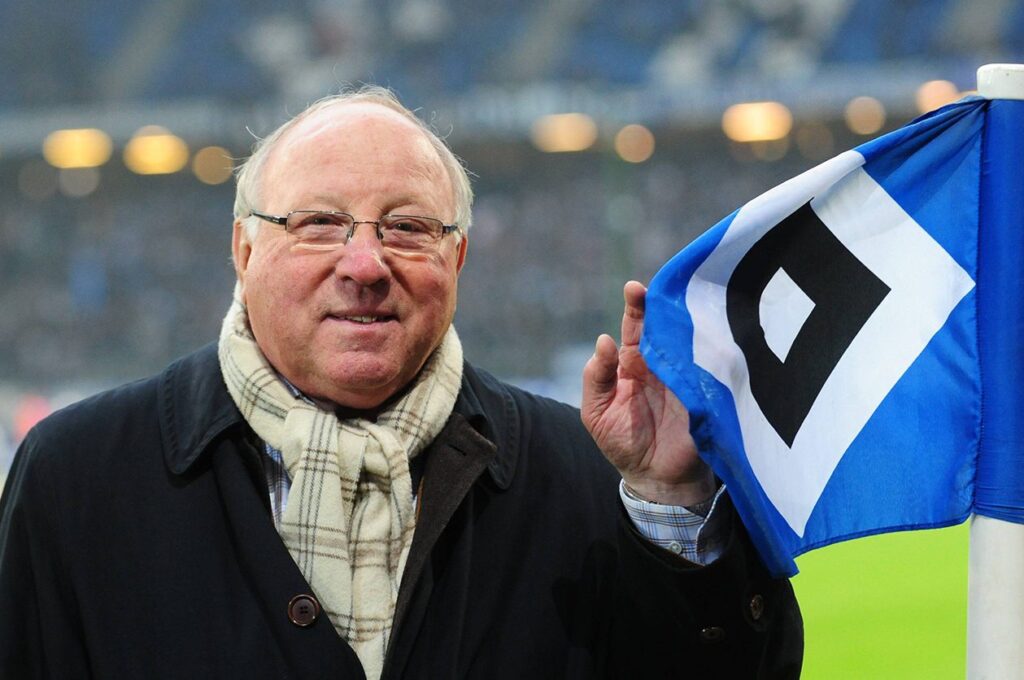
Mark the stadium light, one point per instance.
(155, 151)
(936, 93)
(864, 115)
(212, 165)
(634, 143)
(564, 132)
(77, 148)
(757, 122)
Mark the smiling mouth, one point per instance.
(365, 319)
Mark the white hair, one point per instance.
(247, 192)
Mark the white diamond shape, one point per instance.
(782, 311)
(925, 283)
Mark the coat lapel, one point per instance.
(454, 462)
(310, 652)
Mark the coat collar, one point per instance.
(489, 407)
(195, 409)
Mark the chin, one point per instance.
(362, 389)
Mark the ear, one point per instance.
(461, 260)
(241, 249)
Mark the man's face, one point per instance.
(355, 324)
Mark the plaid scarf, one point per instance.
(350, 519)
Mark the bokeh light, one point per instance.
(28, 412)
(757, 122)
(78, 182)
(864, 115)
(634, 143)
(563, 132)
(77, 148)
(153, 150)
(935, 94)
(212, 165)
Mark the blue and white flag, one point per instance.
(845, 341)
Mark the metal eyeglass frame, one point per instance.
(282, 220)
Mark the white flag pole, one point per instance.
(995, 600)
(995, 573)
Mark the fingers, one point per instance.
(634, 293)
(600, 377)
(601, 374)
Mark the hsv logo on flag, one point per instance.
(825, 339)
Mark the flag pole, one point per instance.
(995, 574)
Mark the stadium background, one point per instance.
(114, 242)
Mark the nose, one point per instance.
(362, 258)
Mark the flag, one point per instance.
(848, 344)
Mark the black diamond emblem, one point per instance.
(845, 294)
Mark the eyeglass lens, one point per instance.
(404, 232)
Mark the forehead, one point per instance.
(356, 147)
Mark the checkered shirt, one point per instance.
(696, 533)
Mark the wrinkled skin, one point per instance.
(641, 427)
(367, 160)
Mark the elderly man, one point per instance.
(332, 491)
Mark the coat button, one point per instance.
(303, 610)
(756, 607)
(712, 634)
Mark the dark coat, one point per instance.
(136, 541)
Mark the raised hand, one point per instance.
(639, 424)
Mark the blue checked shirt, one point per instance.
(694, 533)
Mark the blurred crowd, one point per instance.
(81, 52)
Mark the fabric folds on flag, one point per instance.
(844, 341)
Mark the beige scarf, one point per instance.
(349, 520)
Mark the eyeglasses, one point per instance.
(329, 229)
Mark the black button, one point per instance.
(756, 607)
(303, 610)
(712, 634)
